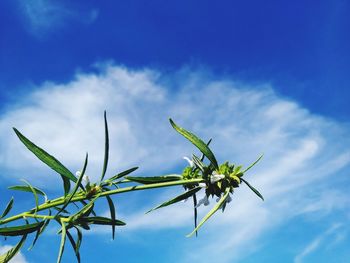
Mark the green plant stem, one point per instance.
(81, 196)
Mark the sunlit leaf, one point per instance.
(212, 211)
(8, 208)
(4, 258)
(112, 211)
(154, 179)
(177, 199)
(202, 146)
(49, 160)
(253, 189)
(20, 230)
(254, 163)
(105, 161)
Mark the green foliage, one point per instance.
(75, 209)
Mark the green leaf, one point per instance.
(197, 142)
(26, 188)
(63, 241)
(105, 161)
(202, 157)
(195, 212)
(85, 203)
(74, 245)
(79, 239)
(20, 230)
(4, 258)
(77, 184)
(250, 166)
(198, 163)
(154, 179)
(122, 174)
(49, 160)
(212, 211)
(34, 193)
(253, 189)
(100, 220)
(39, 232)
(112, 210)
(8, 208)
(84, 211)
(177, 199)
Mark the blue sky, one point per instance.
(258, 77)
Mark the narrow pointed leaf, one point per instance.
(212, 211)
(202, 157)
(154, 179)
(250, 166)
(253, 189)
(4, 258)
(105, 161)
(122, 174)
(86, 209)
(63, 241)
(195, 212)
(198, 163)
(177, 199)
(20, 230)
(79, 239)
(39, 232)
(49, 160)
(8, 208)
(74, 245)
(26, 188)
(112, 210)
(197, 142)
(84, 204)
(34, 193)
(99, 220)
(77, 184)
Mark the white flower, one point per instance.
(86, 179)
(189, 161)
(203, 201)
(215, 177)
(202, 185)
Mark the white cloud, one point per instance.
(43, 16)
(317, 242)
(302, 150)
(19, 258)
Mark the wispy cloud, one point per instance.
(44, 16)
(316, 243)
(19, 258)
(302, 150)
